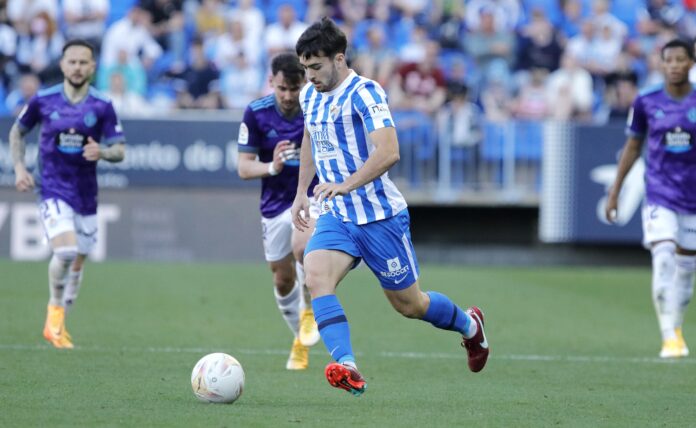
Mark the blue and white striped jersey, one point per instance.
(339, 123)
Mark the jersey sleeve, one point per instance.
(370, 101)
(112, 131)
(249, 139)
(29, 116)
(637, 122)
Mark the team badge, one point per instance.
(691, 115)
(334, 111)
(90, 119)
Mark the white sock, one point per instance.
(57, 272)
(684, 284)
(663, 290)
(306, 301)
(72, 288)
(289, 306)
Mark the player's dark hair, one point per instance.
(290, 65)
(323, 38)
(78, 42)
(679, 43)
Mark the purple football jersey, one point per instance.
(62, 171)
(262, 128)
(668, 126)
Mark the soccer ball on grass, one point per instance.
(217, 378)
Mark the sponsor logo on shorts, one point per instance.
(395, 270)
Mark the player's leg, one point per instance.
(277, 235)
(58, 221)
(389, 252)
(684, 277)
(660, 228)
(309, 333)
(329, 256)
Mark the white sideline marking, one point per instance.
(413, 355)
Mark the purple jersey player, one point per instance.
(78, 128)
(665, 117)
(269, 142)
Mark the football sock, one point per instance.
(684, 282)
(289, 306)
(444, 314)
(333, 328)
(57, 271)
(663, 289)
(72, 288)
(300, 280)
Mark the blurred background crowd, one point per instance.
(579, 60)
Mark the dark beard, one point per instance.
(78, 85)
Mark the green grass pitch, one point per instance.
(570, 347)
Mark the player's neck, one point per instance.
(678, 90)
(73, 94)
(342, 76)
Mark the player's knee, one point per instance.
(66, 254)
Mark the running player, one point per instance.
(665, 117)
(350, 140)
(78, 128)
(269, 144)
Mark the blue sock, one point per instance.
(333, 327)
(444, 314)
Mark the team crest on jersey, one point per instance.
(55, 115)
(691, 115)
(333, 110)
(90, 119)
(659, 114)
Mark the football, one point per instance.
(217, 378)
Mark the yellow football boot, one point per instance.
(299, 356)
(54, 328)
(309, 333)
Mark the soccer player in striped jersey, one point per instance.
(269, 144)
(79, 127)
(665, 117)
(350, 143)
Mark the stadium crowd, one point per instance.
(579, 60)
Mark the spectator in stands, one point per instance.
(40, 50)
(22, 12)
(538, 44)
(621, 90)
(664, 13)
(251, 18)
(131, 34)
(210, 19)
(419, 86)
(130, 68)
(569, 91)
(461, 117)
(198, 86)
(571, 18)
(375, 60)
(605, 51)
(654, 74)
(167, 27)
(232, 48)
(605, 20)
(580, 46)
(495, 99)
(531, 102)
(446, 23)
(126, 102)
(28, 86)
(492, 49)
(413, 50)
(8, 49)
(281, 36)
(86, 19)
(506, 14)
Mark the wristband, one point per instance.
(271, 170)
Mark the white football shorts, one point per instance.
(277, 232)
(662, 224)
(59, 217)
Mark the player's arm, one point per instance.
(93, 151)
(307, 172)
(631, 152)
(23, 179)
(249, 167)
(385, 155)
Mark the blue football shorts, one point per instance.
(384, 245)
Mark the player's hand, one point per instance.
(283, 152)
(91, 150)
(611, 209)
(300, 212)
(329, 191)
(23, 179)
